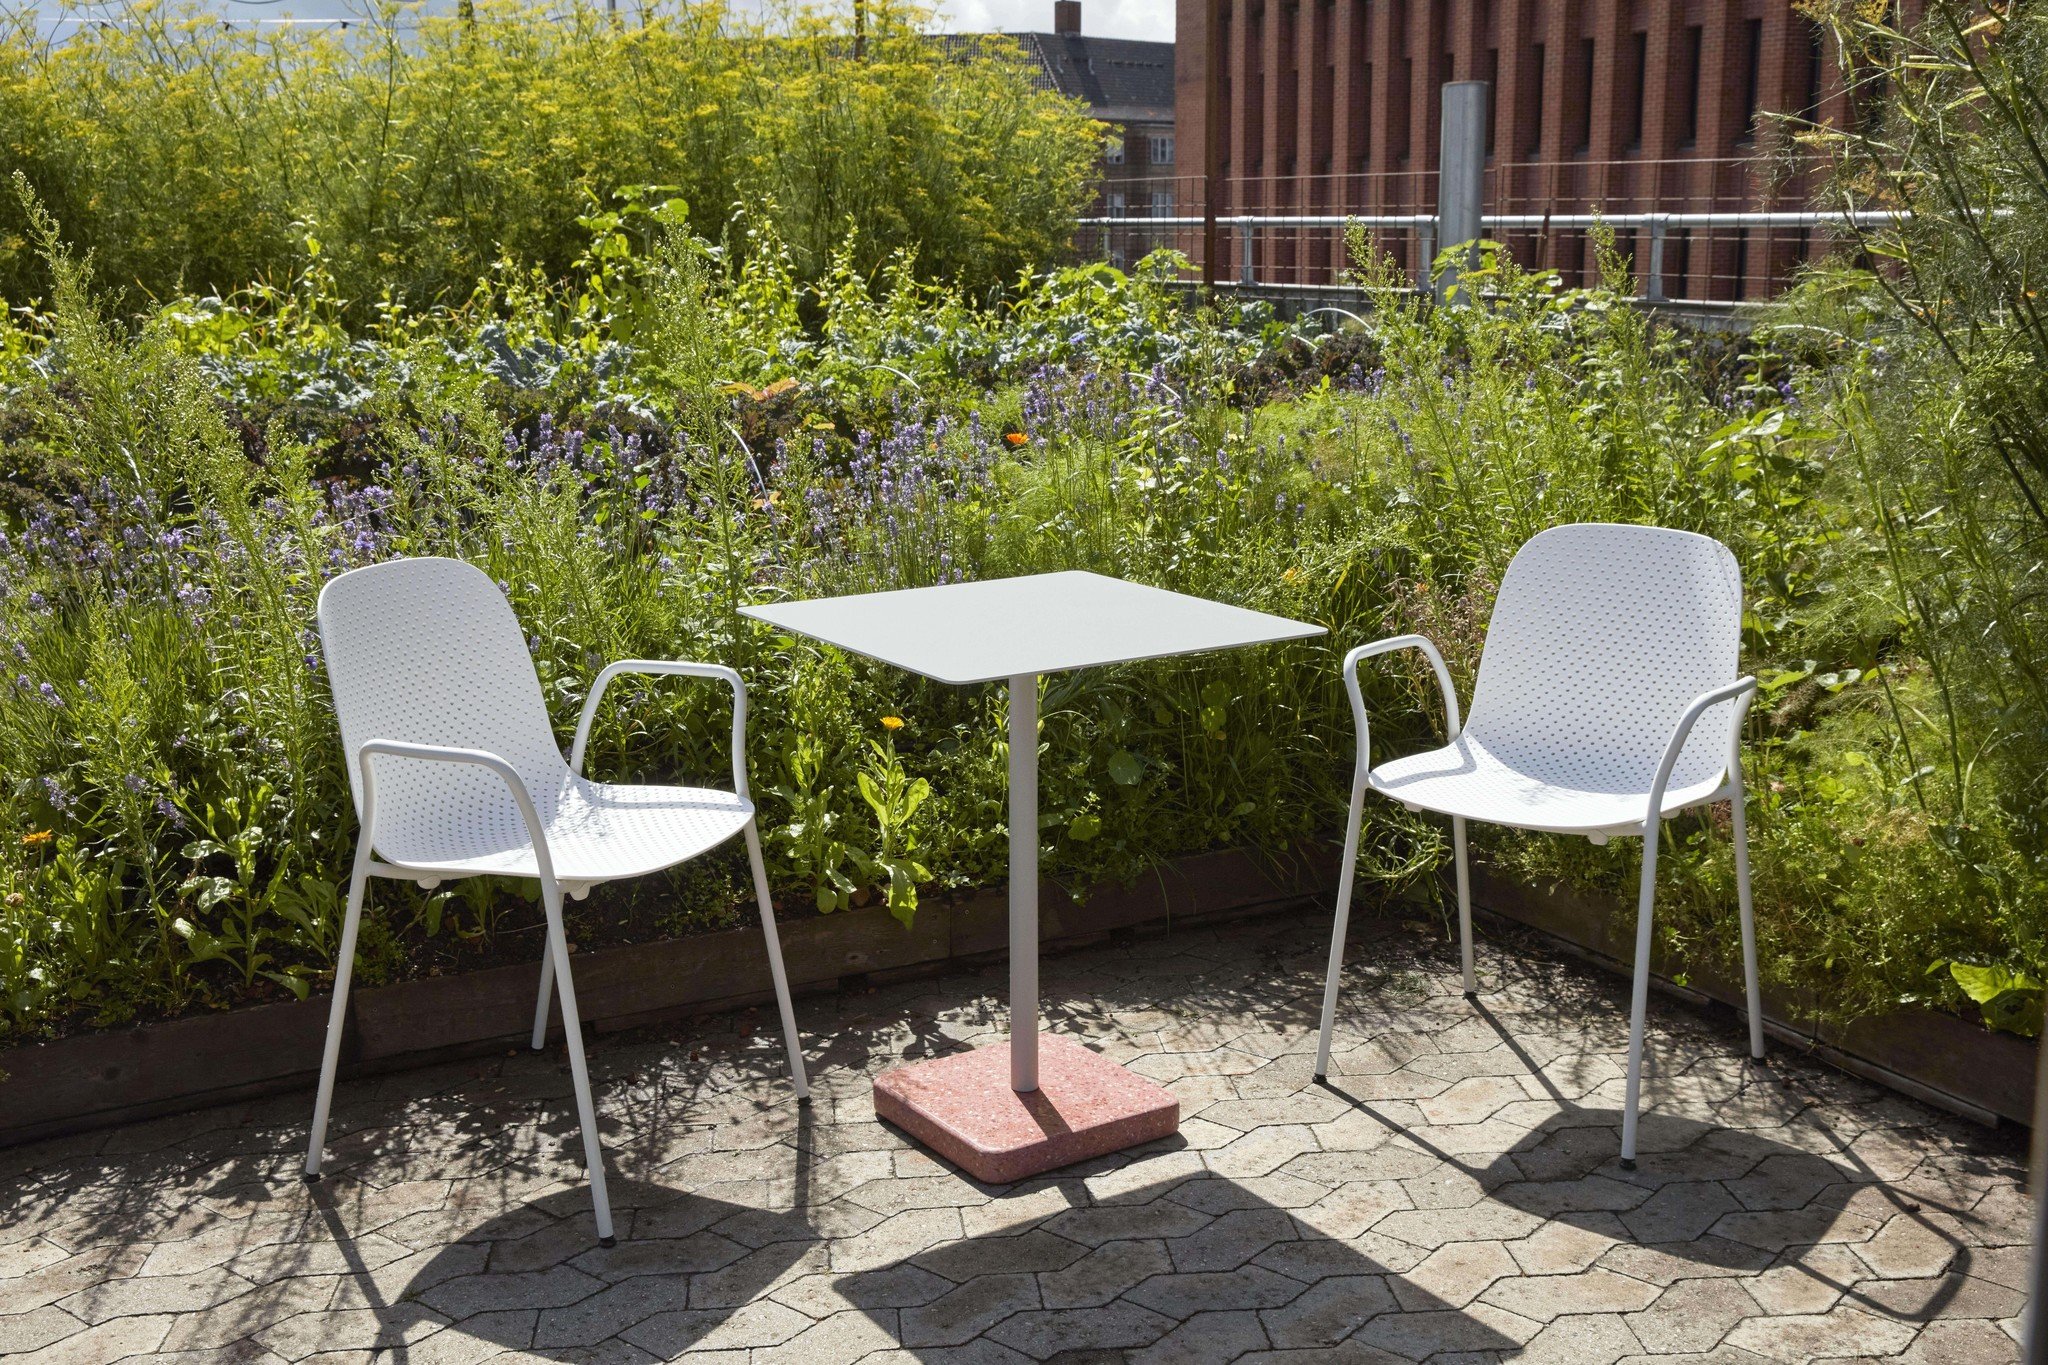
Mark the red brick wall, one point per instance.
(1331, 106)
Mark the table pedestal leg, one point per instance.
(996, 1111)
(1024, 882)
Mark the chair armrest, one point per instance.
(677, 668)
(434, 753)
(1359, 655)
(1742, 688)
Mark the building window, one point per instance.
(1816, 62)
(1113, 151)
(1490, 73)
(1160, 150)
(1638, 63)
(1752, 77)
(1578, 107)
(1162, 203)
(1397, 133)
(1116, 204)
(1689, 86)
(1362, 123)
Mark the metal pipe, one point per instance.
(1536, 222)
(1024, 882)
(1461, 184)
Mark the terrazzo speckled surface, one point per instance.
(1454, 1196)
(960, 1108)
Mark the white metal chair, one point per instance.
(1607, 648)
(457, 773)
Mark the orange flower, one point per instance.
(1015, 438)
(41, 836)
(892, 722)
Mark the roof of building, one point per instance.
(1120, 78)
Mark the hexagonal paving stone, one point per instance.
(1454, 1191)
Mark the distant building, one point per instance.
(1332, 106)
(1129, 86)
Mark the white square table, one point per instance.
(1015, 629)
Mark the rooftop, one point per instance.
(1121, 79)
(1454, 1190)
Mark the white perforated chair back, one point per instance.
(1601, 636)
(427, 651)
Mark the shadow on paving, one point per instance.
(685, 1266)
(455, 1209)
(1198, 1265)
(1110, 1276)
(1194, 1261)
(1678, 1202)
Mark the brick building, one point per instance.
(1331, 107)
(1129, 86)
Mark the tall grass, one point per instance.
(414, 151)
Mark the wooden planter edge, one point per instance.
(101, 1080)
(104, 1079)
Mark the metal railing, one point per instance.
(1693, 230)
(1244, 231)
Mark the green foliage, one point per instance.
(2009, 1000)
(1930, 380)
(418, 151)
(690, 416)
(893, 797)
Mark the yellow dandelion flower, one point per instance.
(892, 722)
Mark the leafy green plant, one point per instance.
(811, 838)
(2007, 999)
(894, 797)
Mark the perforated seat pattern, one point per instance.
(442, 661)
(1601, 636)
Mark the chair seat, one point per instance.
(1466, 778)
(596, 832)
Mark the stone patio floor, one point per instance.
(1454, 1196)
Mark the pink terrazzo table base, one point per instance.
(1085, 1106)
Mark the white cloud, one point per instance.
(1151, 20)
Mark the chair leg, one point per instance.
(1343, 921)
(1639, 1002)
(1464, 904)
(775, 967)
(547, 990)
(337, 1012)
(579, 1074)
(1748, 908)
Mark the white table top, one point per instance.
(1041, 623)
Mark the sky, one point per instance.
(1148, 19)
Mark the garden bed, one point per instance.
(1939, 1058)
(99, 1080)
